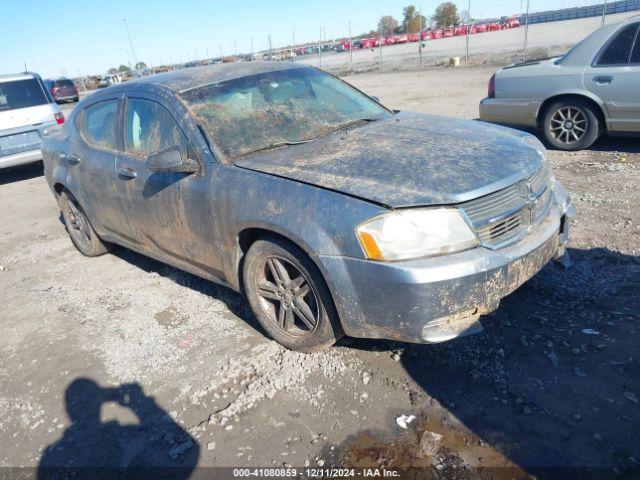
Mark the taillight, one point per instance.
(492, 86)
(59, 117)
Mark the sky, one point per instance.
(71, 38)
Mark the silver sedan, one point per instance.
(573, 100)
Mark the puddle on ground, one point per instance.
(429, 448)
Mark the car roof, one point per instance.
(190, 78)
(18, 76)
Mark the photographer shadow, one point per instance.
(156, 447)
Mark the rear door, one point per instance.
(170, 213)
(91, 162)
(614, 77)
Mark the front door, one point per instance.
(615, 79)
(169, 212)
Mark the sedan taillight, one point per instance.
(59, 117)
(492, 86)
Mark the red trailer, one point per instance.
(414, 37)
(448, 32)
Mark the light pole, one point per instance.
(133, 52)
(604, 12)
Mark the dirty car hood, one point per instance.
(407, 160)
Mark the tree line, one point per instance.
(445, 15)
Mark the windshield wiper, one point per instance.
(353, 123)
(274, 145)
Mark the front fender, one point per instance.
(319, 221)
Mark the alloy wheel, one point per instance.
(287, 297)
(78, 223)
(569, 125)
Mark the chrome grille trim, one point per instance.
(502, 217)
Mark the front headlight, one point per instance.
(415, 233)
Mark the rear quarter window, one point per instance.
(22, 94)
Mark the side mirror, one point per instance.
(171, 160)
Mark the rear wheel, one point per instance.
(571, 125)
(80, 230)
(289, 296)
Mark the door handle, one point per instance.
(70, 159)
(127, 173)
(603, 80)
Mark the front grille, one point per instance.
(502, 217)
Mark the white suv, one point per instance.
(26, 110)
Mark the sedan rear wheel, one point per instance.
(571, 125)
(80, 230)
(289, 297)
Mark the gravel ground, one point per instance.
(126, 360)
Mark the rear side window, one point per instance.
(619, 49)
(21, 94)
(150, 128)
(635, 55)
(98, 124)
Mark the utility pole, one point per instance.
(380, 41)
(293, 44)
(270, 47)
(420, 37)
(526, 33)
(466, 51)
(221, 55)
(350, 48)
(604, 13)
(320, 49)
(133, 52)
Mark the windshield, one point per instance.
(276, 108)
(21, 94)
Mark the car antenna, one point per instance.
(25, 67)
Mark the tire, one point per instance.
(571, 125)
(80, 230)
(304, 322)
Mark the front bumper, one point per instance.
(21, 158)
(437, 299)
(510, 111)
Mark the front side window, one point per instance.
(98, 124)
(150, 128)
(267, 109)
(17, 94)
(619, 49)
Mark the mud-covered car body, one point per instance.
(317, 194)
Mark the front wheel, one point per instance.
(80, 230)
(571, 125)
(289, 296)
